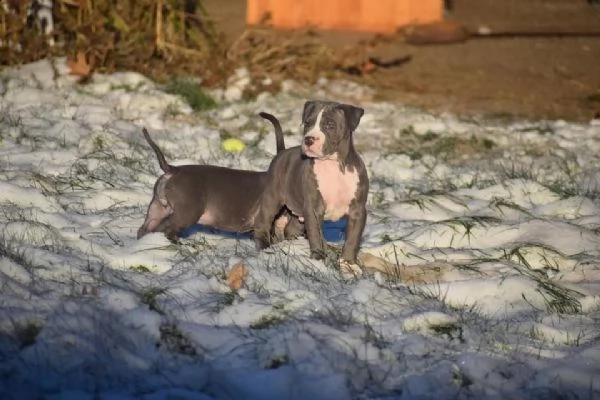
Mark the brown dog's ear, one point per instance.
(353, 115)
(310, 108)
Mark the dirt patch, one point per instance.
(556, 78)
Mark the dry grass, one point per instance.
(152, 37)
(160, 39)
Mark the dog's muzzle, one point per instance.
(309, 141)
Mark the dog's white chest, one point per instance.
(337, 188)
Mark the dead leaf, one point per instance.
(237, 275)
(81, 67)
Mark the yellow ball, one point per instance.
(233, 145)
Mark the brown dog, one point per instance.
(219, 197)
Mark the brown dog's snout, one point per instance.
(309, 140)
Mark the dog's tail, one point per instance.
(279, 141)
(161, 158)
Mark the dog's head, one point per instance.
(326, 126)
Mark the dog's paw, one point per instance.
(173, 237)
(349, 270)
(261, 243)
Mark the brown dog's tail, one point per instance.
(161, 158)
(279, 142)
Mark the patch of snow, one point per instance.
(483, 280)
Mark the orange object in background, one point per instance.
(382, 16)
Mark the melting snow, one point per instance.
(483, 274)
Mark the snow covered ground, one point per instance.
(481, 252)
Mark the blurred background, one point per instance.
(542, 59)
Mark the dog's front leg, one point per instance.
(357, 218)
(294, 228)
(313, 219)
(314, 232)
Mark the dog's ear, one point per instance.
(353, 115)
(310, 108)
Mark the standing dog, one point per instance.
(324, 178)
(219, 197)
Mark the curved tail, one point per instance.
(279, 141)
(161, 158)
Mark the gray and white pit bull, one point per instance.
(323, 179)
(223, 198)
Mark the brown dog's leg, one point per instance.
(279, 225)
(270, 205)
(294, 228)
(287, 226)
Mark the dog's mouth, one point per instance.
(328, 157)
(318, 156)
(311, 147)
(308, 152)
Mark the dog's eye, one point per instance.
(329, 124)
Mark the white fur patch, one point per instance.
(337, 188)
(316, 149)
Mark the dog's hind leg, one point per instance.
(265, 222)
(281, 221)
(294, 228)
(287, 226)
